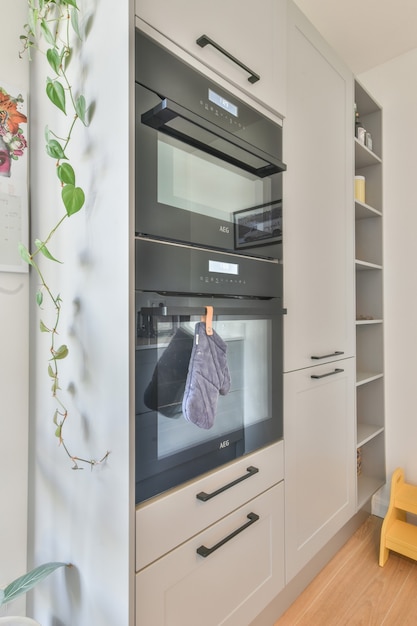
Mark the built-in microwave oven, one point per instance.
(208, 166)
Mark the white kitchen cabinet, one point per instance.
(232, 584)
(254, 34)
(318, 226)
(319, 468)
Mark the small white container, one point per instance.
(361, 134)
(360, 188)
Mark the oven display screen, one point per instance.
(224, 268)
(223, 103)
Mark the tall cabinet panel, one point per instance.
(319, 345)
(370, 433)
(318, 224)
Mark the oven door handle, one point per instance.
(184, 311)
(172, 119)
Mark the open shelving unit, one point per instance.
(370, 414)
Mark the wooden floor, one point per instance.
(353, 590)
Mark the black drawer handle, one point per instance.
(336, 371)
(326, 356)
(205, 552)
(203, 496)
(204, 40)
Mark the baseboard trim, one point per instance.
(288, 595)
(380, 501)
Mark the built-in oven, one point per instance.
(175, 286)
(208, 238)
(208, 166)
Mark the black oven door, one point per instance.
(196, 183)
(171, 449)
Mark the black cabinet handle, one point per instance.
(205, 552)
(204, 40)
(326, 356)
(336, 371)
(203, 496)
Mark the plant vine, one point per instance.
(54, 22)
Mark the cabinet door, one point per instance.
(319, 458)
(232, 585)
(318, 223)
(252, 33)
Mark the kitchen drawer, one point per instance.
(232, 585)
(167, 521)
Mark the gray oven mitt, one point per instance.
(208, 375)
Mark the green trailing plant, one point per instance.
(24, 583)
(55, 22)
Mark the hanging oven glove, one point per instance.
(208, 375)
(166, 388)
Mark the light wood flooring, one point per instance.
(353, 590)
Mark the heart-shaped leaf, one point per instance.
(73, 199)
(54, 149)
(43, 327)
(25, 254)
(54, 59)
(61, 352)
(74, 22)
(47, 33)
(56, 94)
(66, 174)
(42, 248)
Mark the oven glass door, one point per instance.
(171, 449)
(189, 194)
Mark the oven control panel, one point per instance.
(164, 266)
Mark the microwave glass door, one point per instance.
(193, 180)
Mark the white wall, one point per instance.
(85, 516)
(394, 85)
(14, 353)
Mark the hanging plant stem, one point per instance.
(54, 21)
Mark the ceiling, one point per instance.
(365, 33)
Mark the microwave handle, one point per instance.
(204, 40)
(167, 110)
